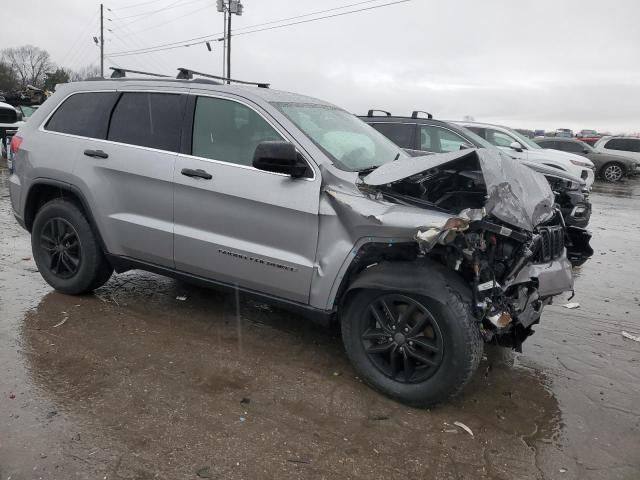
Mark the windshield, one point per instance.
(477, 140)
(27, 111)
(349, 142)
(530, 144)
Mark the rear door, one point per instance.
(129, 176)
(234, 223)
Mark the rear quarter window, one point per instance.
(83, 114)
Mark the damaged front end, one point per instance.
(505, 236)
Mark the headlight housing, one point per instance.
(581, 163)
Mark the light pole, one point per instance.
(228, 7)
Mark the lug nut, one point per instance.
(406, 329)
(411, 344)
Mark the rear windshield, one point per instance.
(8, 115)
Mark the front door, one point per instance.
(236, 224)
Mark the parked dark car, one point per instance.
(609, 167)
(418, 134)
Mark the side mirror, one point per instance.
(516, 146)
(279, 157)
(586, 150)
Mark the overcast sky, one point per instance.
(527, 64)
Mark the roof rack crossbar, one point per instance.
(187, 74)
(122, 73)
(416, 114)
(371, 113)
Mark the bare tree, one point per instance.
(29, 63)
(8, 80)
(85, 73)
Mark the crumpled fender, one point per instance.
(422, 277)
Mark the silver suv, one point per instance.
(294, 201)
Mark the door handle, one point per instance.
(199, 173)
(96, 154)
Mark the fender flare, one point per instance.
(77, 193)
(421, 277)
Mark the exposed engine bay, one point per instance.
(506, 236)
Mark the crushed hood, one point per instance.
(515, 194)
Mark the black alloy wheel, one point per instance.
(60, 242)
(402, 338)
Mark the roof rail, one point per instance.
(187, 74)
(416, 114)
(122, 73)
(370, 113)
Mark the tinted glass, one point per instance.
(228, 131)
(572, 147)
(619, 144)
(401, 134)
(151, 120)
(84, 114)
(548, 144)
(440, 140)
(8, 115)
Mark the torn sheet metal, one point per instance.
(515, 194)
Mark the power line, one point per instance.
(168, 21)
(210, 37)
(175, 4)
(126, 7)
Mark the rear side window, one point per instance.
(401, 134)
(624, 144)
(84, 114)
(151, 120)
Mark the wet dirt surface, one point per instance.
(132, 383)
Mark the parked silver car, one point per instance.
(294, 201)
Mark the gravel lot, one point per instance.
(133, 383)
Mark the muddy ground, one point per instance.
(137, 384)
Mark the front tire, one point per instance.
(613, 172)
(413, 348)
(66, 250)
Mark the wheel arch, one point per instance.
(422, 277)
(42, 190)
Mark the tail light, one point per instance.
(16, 141)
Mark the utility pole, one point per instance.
(228, 7)
(229, 44)
(102, 40)
(224, 44)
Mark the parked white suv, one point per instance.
(624, 146)
(522, 148)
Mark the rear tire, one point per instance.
(448, 342)
(612, 172)
(66, 250)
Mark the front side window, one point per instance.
(228, 131)
(573, 147)
(402, 134)
(151, 120)
(83, 114)
(548, 144)
(440, 140)
(349, 142)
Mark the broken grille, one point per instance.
(550, 244)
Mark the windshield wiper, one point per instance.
(371, 168)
